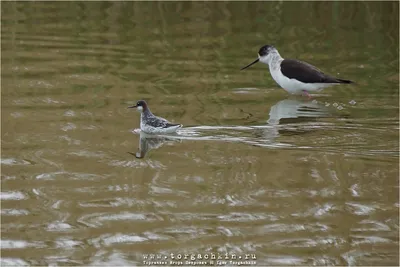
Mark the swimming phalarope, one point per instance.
(151, 124)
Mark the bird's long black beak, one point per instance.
(135, 106)
(254, 62)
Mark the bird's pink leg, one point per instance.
(307, 94)
(136, 131)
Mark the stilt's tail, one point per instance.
(344, 81)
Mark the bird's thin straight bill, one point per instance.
(254, 62)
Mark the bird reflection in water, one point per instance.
(294, 110)
(149, 142)
(288, 117)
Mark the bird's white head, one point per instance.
(267, 54)
(141, 106)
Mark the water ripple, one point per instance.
(12, 161)
(12, 196)
(19, 244)
(109, 240)
(13, 262)
(68, 175)
(98, 219)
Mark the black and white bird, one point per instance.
(294, 76)
(151, 124)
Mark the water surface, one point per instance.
(254, 170)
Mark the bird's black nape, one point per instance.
(141, 103)
(265, 50)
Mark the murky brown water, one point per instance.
(254, 171)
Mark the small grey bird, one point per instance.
(151, 124)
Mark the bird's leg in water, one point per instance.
(307, 94)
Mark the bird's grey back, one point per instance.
(155, 121)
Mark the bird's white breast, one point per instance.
(294, 86)
(154, 130)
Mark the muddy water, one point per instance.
(285, 180)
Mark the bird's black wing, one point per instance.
(304, 72)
